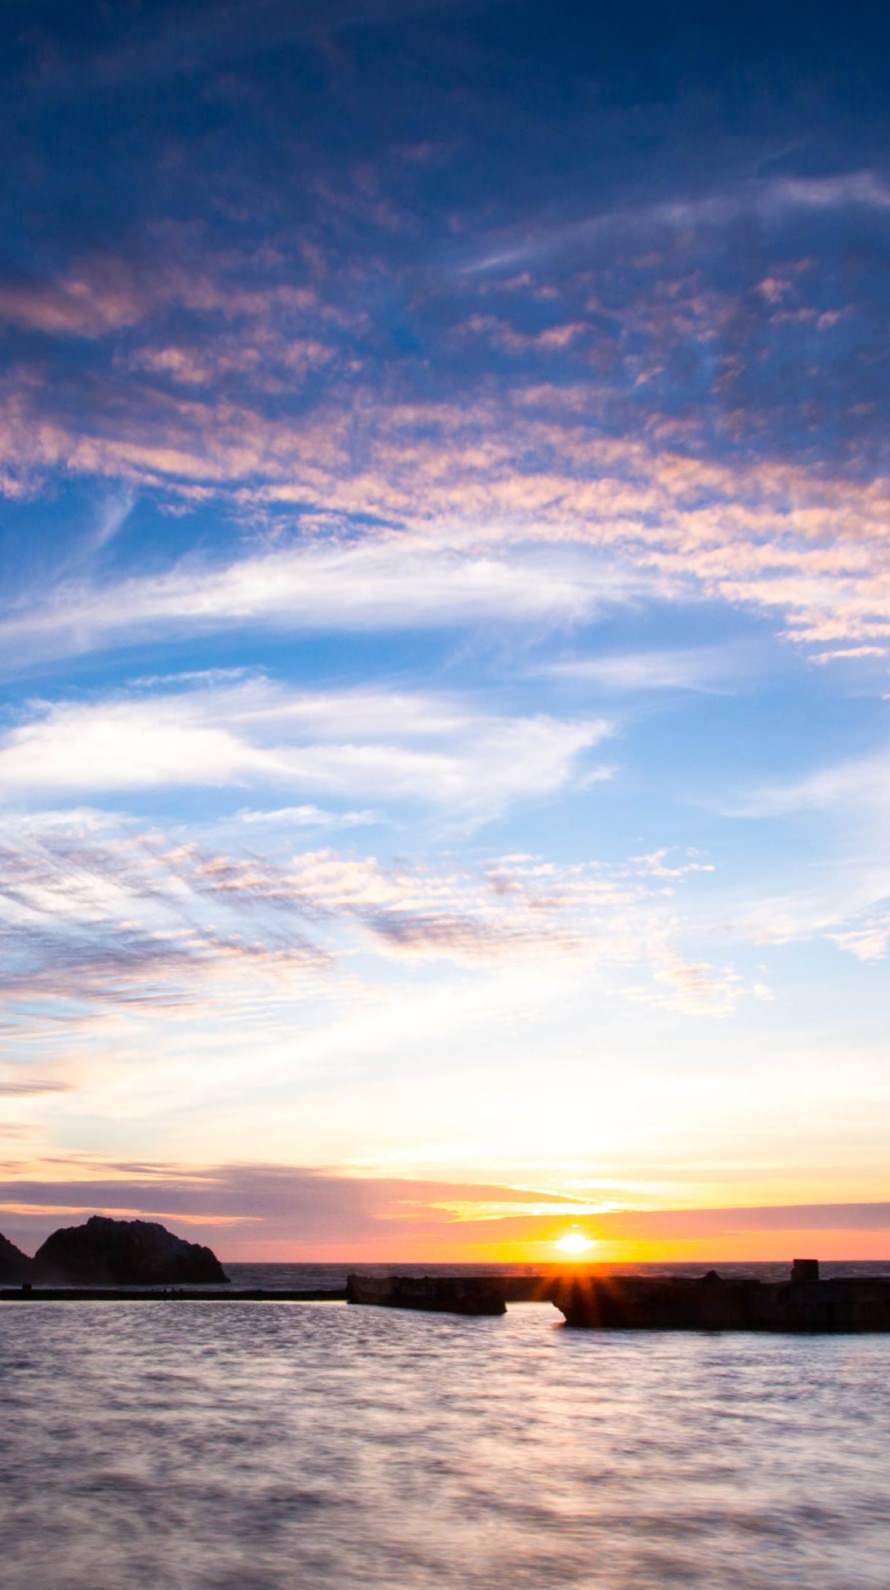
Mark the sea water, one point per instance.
(271, 1445)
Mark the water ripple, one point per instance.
(183, 1446)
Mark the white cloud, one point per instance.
(101, 910)
(856, 782)
(363, 743)
(769, 197)
(112, 516)
(307, 816)
(867, 942)
(658, 864)
(701, 668)
(397, 584)
(512, 511)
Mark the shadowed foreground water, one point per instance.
(252, 1447)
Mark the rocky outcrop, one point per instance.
(15, 1266)
(107, 1252)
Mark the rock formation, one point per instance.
(15, 1266)
(108, 1252)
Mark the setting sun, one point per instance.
(574, 1243)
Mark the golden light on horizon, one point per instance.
(574, 1243)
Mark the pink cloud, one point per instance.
(256, 1211)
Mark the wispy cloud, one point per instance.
(372, 587)
(702, 668)
(112, 516)
(769, 197)
(855, 782)
(508, 513)
(348, 744)
(30, 1087)
(307, 816)
(262, 1210)
(98, 912)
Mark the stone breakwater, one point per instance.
(609, 1302)
(27, 1293)
(712, 1303)
(432, 1294)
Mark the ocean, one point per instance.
(187, 1446)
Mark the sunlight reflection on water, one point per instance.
(252, 1447)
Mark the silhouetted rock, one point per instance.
(108, 1252)
(14, 1265)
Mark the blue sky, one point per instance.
(444, 625)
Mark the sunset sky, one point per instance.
(445, 626)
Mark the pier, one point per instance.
(162, 1294)
(804, 1303)
(438, 1294)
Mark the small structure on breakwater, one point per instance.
(718, 1303)
(438, 1294)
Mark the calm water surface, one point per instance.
(258, 1446)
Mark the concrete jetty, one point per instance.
(437, 1294)
(716, 1303)
(162, 1294)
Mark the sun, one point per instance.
(574, 1243)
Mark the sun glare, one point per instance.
(574, 1243)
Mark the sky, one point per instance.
(445, 626)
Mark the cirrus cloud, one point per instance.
(350, 744)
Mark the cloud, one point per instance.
(697, 985)
(95, 912)
(769, 198)
(307, 817)
(662, 456)
(263, 1210)
(31, 1087)
(696, 399)
(854, 782)
(100, 913)
(112, 517)
(264, 362)
(313, 589)
(102, 299)
(658, 864)
(365, 587)
(507, 512)
(868, 940)
(701, 668)
(348, 744)
(253, 1209)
